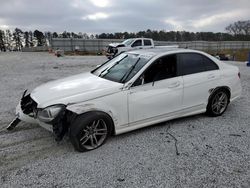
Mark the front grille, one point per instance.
(28, 105)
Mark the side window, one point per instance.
(163, 68)
(137, 43)
(147, 42)
(191, 63)
(210, 65)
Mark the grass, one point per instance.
(240, 55)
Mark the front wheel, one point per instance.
(90, 131)
(218, 103)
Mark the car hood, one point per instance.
(73, 89)
(116, 44)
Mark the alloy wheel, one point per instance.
(94, 134)
(219, 103)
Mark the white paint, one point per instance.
(73, 89)
(135, 107)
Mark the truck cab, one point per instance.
(127, 45)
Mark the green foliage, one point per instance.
(2, 46)
(237, 31)
(18, 39)
(176, 36)
(40, 38)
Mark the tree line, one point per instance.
(17, 39)
(237, 31)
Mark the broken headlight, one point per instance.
(48, 114)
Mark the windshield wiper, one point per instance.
(125, 76)
(100, 75)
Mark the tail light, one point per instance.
(239, 74)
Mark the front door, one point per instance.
(157, 92)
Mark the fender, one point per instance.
(213, 90)
(81, 108)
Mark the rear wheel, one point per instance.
(218, 103)
(90, 131)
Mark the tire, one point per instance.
(90, 131)
(218, 103)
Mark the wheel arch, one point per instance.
(86, 113)
(225, 88)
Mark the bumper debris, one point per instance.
(13, 124)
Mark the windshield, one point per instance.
(128, 42)
(122, 68)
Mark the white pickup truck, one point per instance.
(127, 45)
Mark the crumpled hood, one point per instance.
(116, 44)
(73, 89)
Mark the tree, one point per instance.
(26, 39)
(80, 35)
(40, 38)
(66, 34)
(239, 28)
(85, 36)
(102, 36)
(8, 39)
(2, 43)
(18, 38)
(74, 35)
(55, 35)
(31, 39)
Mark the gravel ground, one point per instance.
(212, 152)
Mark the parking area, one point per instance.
(197, 151)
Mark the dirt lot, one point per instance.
(213, 152)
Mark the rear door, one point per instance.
(147, 43)
(200, 75)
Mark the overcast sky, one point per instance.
(98, 16)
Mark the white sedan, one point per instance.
(134, 90)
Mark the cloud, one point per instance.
(100, 3)
(206, 21)
(97, 16)
(175, 25)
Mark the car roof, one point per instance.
(139, 38)
(162, 50)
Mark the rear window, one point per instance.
(147, 42)
(210, 65)
(191, 63)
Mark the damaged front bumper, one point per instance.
(111, 52)
(28, 119)
(110, 55)
(27, 111)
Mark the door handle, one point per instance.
(174, 84)
(211, 76)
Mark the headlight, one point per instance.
(50, 113)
